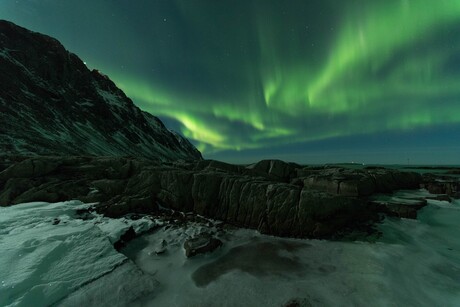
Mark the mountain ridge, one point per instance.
(52, 104)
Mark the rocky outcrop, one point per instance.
(322, 203)
(52, 104)
(360, 182)
(449, 185)
(403, 208)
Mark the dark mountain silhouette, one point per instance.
(52, 104)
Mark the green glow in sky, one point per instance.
(245, 75)
(383, 69)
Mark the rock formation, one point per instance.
(241, 196)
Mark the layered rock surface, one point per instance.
(286, 202)
(52, 104)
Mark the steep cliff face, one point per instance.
(52, 104)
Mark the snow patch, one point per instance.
(110, 98)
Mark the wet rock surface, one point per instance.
(273, 197)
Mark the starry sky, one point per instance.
(309, 81)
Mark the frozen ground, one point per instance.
(47, 252)
(415, 263)
(73, 263)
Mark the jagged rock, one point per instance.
(200, 244)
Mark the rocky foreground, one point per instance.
(274, 197)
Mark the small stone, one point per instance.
(201, 244)
(160, 247)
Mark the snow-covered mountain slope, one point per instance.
(52, 104)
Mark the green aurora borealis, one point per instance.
(248, 79)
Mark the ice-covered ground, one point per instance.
(73, 263)
(415, 263)
(47, 252)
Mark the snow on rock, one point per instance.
(47, 252)
(110, 98)
(115, 228)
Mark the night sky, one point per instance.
(305, 81)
